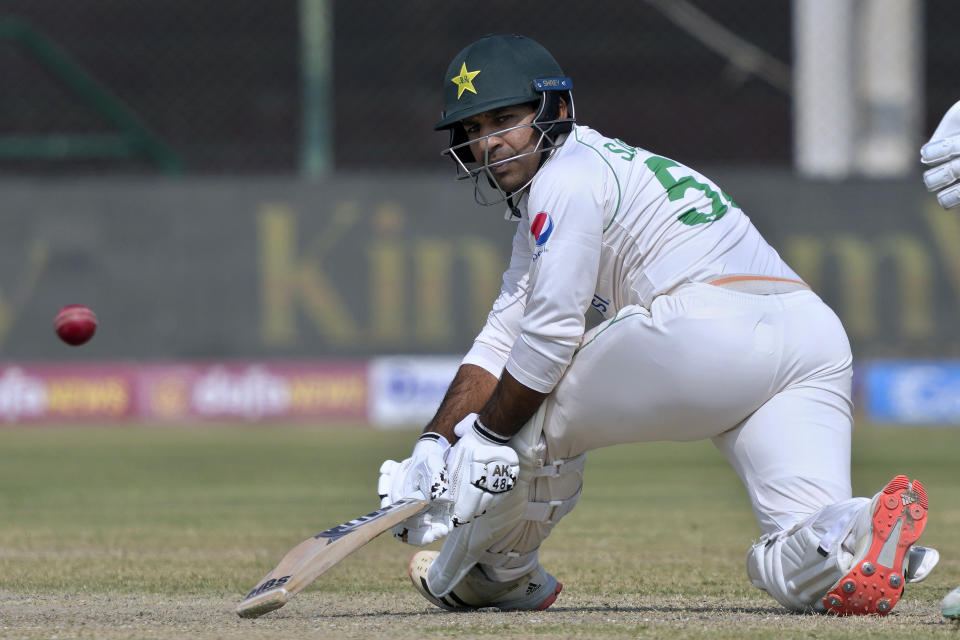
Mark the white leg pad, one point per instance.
(505, 540)
(466, 545)
(550, 497)
(790, 569)
(799, 566)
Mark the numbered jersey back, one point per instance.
(664, 223)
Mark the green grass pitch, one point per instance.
(158, 532)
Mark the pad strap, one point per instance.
(560, 467)
(507, 559)
(551, 512)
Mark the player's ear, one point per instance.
(562, 109)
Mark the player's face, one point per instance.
(496, 141)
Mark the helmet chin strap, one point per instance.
(514, 210)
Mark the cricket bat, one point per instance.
(311, 558)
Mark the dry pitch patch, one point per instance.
(406, 616)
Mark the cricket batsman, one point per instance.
(706, 333)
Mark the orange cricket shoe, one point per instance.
(875, 581)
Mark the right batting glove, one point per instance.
(943, 150)
(482, 469)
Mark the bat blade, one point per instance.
(266, 602)
(311, 558)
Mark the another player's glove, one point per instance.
(481, 467)
(422, 475)
(943, 150)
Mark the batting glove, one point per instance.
(422, 475)
(943, 150)
(482, 469)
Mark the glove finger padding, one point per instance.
(945, 141)
(419, 476)
(388, 470)
(942, 175)
(393, 483)
(481, 471)
(940, 149)
(949, 197)
(425, 528)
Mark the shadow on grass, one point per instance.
(770, 611)
(777, 611)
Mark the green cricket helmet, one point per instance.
(499, 71)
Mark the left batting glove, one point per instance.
(422, 475)
(943, 150)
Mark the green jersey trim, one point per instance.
(610, 166)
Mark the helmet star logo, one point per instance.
(464, 80)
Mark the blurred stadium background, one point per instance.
(251, 196)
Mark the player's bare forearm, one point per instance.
(468, 393)
(510, 406)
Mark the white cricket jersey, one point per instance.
(607, 225)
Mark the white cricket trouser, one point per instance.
(766, 377)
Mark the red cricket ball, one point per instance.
(75, 324)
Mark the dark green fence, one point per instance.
(220, 85)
